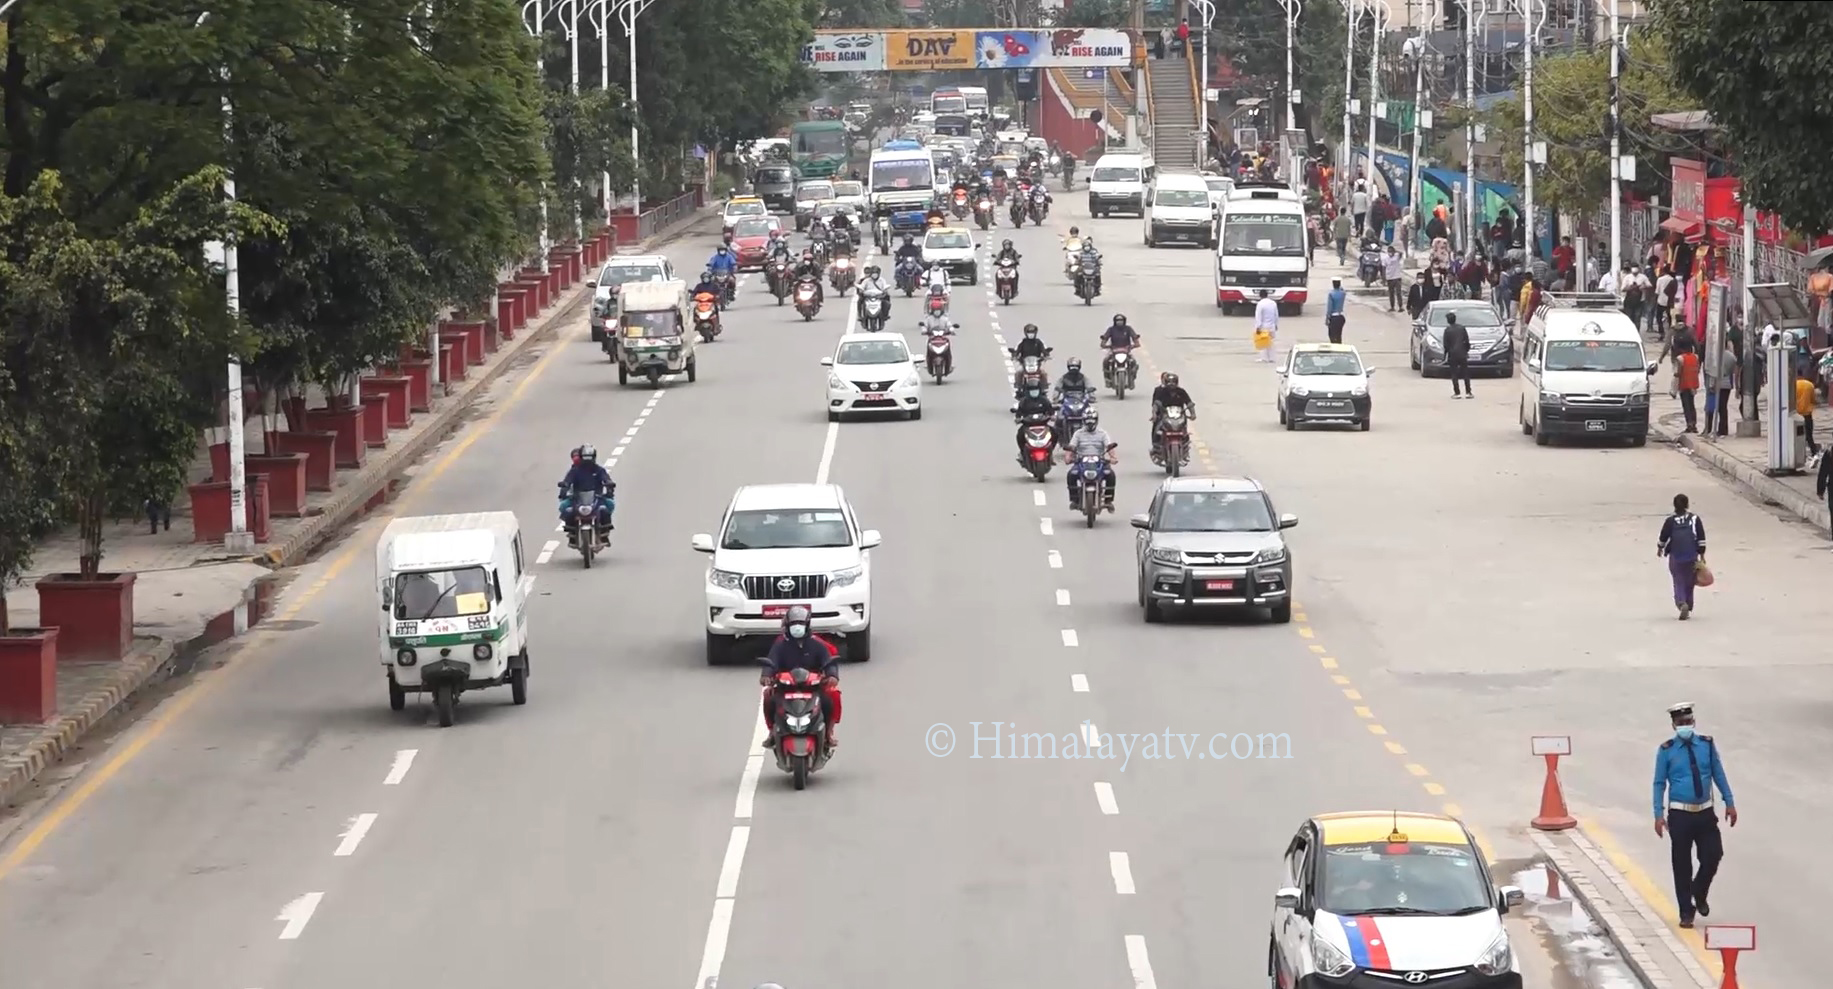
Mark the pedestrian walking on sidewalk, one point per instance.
(1717, 374)
(1683, 542)
(1686, 385)
(1687, 767)
(1804, 407)
(1457, 356)
(1392, 272)
(1266, 321)
(1334, 310)
(1340, 229)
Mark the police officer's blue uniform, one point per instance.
(1687, 767)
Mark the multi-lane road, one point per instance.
(277, 827)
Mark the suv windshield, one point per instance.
(1594, 355)
(848, 190)
(1214, 511)
(948, 242)
(620, 274)
(872, 352)
(1401, 879)
(815, 191)
(787, 529)
(442, 594)
(1181, 197)
(1320, 362)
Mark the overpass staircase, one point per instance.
(1171, 95)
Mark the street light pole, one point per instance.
(1530, 238)
(1352, 12)
(1616, 139)
(1293, 8)
(602, 12)
(1417, 45)
(1472, 11)
(1208, 7)
(627, 13)
(1377, 14)
(536, 29)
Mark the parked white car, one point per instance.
(780, 545)
(873, 372)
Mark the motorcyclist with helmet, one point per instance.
(808, 267)
(1119, 333)
(778, 246)
(710, 284)
(909, 249)
(871, 285)
(1169, 394)
(1073, 381)
(799, 648)
(1033, 407)
(585, 475)
(1031, 345)
(1090, 441)
(724, 264)
(1091, 261)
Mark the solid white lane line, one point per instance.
(1044, 526)
(359, 827)
(1123, 873)
(1056, 560)
(404, 760)
(1104, 795)
(1139, 963)
(734, 862)
(747, 788)
(1037, 498)
(547, 551)
(1078, 682)
(713, 955)
(1069, 637)
(1063, 596)
(827, 453)
(297, 915)
(1091, 734)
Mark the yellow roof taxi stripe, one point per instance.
(1373, 829)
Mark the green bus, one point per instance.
(819, 148)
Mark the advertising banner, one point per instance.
(846, 51)
(929, 51)
(1069, 48)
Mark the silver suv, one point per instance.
(1214, 542)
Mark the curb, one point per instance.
(1630, 947)
(146, 665)
(1754, 482)
(363, 485)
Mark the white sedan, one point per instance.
(873, 372)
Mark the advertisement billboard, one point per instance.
(1069, 48)
(929, 51)
(846, 51)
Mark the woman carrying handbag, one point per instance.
(1683, 542)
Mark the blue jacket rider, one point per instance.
(799, 648)
(723, 262)
(1090, 441)
(587, 475)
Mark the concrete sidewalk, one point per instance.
(187, 592)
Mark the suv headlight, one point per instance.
(1170, 556)
(841, 578)
(1496, 959)
(726, 579)
(1268, 557)
(1329, 960)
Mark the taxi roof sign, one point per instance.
(1368, 828)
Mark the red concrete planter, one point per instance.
(210, 511)
(320, 451)
(286, 483)
(452, 364)
(460, 341)
(419, 375)
(396, 388)
(348, 425)
(564, 263)
(375, 420)
(94, 618)
(536, 279)
(506, 314)
(28, 676)
(473, 333)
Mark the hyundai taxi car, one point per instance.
(873, 372)
(1324, 382)
(1389, 900)
(739, 206)
(1213, 542)
(953, 249)
(751, 240)
(620, 270)
(780, 545)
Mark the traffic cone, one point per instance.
(1553, 814)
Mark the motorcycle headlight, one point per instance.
(727, 579)
(1329, 960)
(833, 381)
(1496, 959)
(1171, 556)
(1300, 391)
(1269, 557)
(841, 578)
(797, 720)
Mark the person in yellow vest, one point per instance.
(1804, 407)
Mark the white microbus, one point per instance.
(1261, 247)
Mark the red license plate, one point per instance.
(779, 610)
(1219, 585)
(873, 396)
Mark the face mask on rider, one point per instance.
(798, 631)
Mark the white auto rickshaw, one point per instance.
(454, 603)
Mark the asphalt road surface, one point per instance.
(1459, 589)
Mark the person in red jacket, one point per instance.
(1183, 36)
(798, 648)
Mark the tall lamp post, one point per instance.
(627, 13)
(1293, 8)
(1208, 7)
(1472, 13)
(1415, 48)
(1532, 151)
(1379, 15)
(601, 13)
(1352, 12)
(536, 30)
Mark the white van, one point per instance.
(1118, 183)
(454, 607)
(1178, 210)
(1262, 247)
(1583, 371)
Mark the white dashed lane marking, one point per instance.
(1056, 560)
(1078, 682)
(1063, 596)
(1123, 873)
(359, 828)
(1104, 796)
(404, 761)
(1069, 638)
(1044, 526)
(1037, 498)
(547, 551)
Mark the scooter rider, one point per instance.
(810, 269)
(586, 475)
(871, 286)
(725, 265)
(1167, 395)
(709, 284)
(799, 648)
(1033, 407)
(1090, 441)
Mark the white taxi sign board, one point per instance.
(1730, 937)
(1551, 744)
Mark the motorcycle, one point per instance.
(1040, 206)
(1040, 442)
(808, 302)
(1030, 373)
(1368, 265)
(1092, 496)
(1072, 255)
(802, 743)
(706, 316)
(960, 204)
(909, 276)
(590, 533)
(1120, 370)
(937, 302)
(778, 277)
(1019, 210)
(842, 275)
(1069, 177)
(1085, 276)
(983, 213)
(1173, 452)
(941, 360)
(1054, 165)
(999, 191)
(1005, 281)
(1069, 415)
(730, 282)
(875, 308)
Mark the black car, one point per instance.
(1491, 346)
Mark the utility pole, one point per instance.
(1293, 9)
(1417, 46)
(1530, 239)
(537, 29)
(602, 23)
(1352, 12)
(627, 13)
(1473, 9)
(1378, 15)
(1616, 138)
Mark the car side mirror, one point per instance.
(1141, 521)
(827, 362)
(1653, 366)
(1508, 896)
(591, 283)
(388, 594)
(1288, 521)
(1286, 898)
(870, 539)
(703, 543)
(917, 360)
(1370, 372)
(1534, 362)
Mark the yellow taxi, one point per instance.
(1391, 899)
(739, 206)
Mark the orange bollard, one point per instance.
(1729, 940)
(1553, 814)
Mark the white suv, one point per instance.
(781, 545)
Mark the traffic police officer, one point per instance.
(1687, 766)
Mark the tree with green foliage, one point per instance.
(1572, 114)
(1760, 70)
(1251, 37)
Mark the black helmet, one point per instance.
(797, 616)
(588, 454)
(1074, 366)
(1120, 319)
(1164, 377)
(1030, 329)
(1170, 380)
(1006, 244)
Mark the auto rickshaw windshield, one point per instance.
(457, 593)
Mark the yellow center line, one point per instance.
(1416, 769)
(1354, 695)
(1363, 712)
(1396, 748)
(1329, 662)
